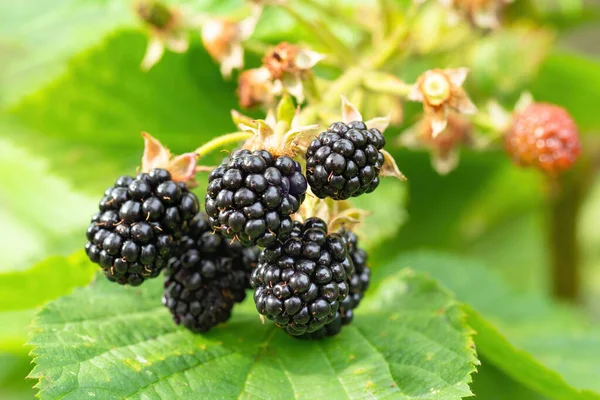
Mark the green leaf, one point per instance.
(573, 82)
(518, 363)
(49, 279)
(88, 122)
(39, 37)
(13, 370)
(43, 218)
(385, 217)
(24, 291)
(494, 70)
(408, 341)
(490, 383)
(557, 337)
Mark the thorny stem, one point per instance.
(341, 51)
(220, 141)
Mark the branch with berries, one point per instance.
(278, 215)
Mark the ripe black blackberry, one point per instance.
(251, 196)
(140, 220)
(300, 282)
(358, 283)
(345, 161)
(210, 274)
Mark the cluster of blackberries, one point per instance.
(306, 279)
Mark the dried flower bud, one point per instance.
(481, 13)
(289, 65)
(440, 90)
(154, 13)
(282, 59)
(255, 88)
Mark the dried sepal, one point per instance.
(349, 111)
(379, 123)
(156, 155)
(390, 168)
(183, 168)
(347, 219)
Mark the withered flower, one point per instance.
(289, 66)
(440, 90)
(444, 147)
(481, 13)
(255, 87)
(223, 40)
(168, 28)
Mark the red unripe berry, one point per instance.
(543, 136)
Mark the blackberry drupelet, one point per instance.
(251, 196)
(138, 226)
(299, 283)
(207, 278)
(345, 161)
(358, 283)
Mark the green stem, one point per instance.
(221, 141)
(334, 13)
(341, 51)
(566, 195)
(386, 14)
(565, 201)
(392, 43)
(380, 84)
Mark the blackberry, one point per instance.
(207, 278)
(358, 283)
(300, 282)
(345, 161)
(140, 220)
(251, 196)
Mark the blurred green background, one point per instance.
(73, 101)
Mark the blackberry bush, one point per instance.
(251, 196)
(210, 274)
(345, 161)
(138, 226)
(300, 282)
